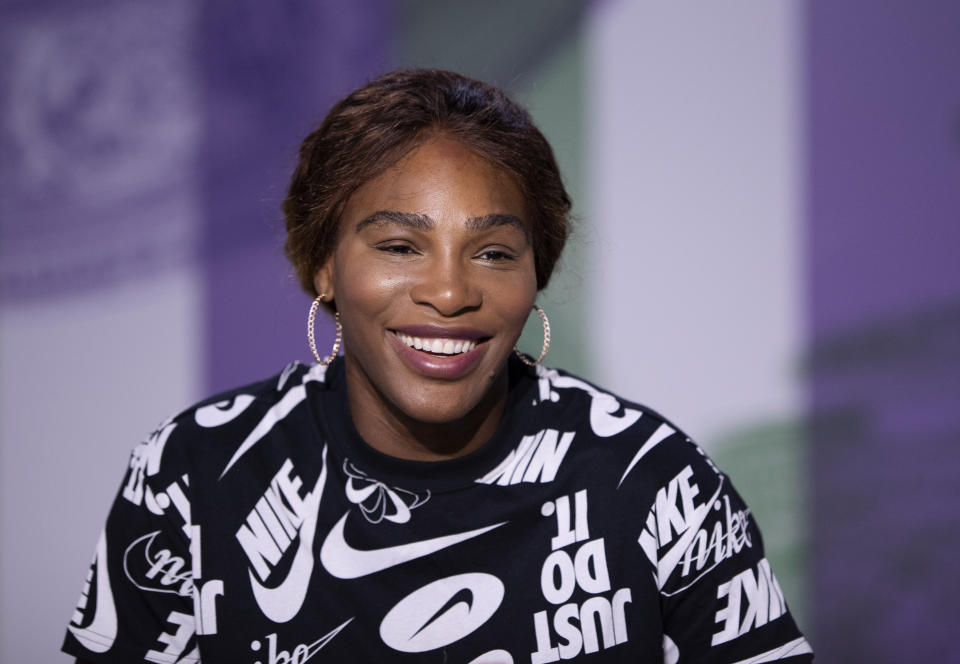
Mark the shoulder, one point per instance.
(690, 518)
(644, 450)
(609, 414)
(601, 412)
(214, 432)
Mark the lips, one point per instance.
(439, 352)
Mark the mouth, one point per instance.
(447, 353)
(437, 345)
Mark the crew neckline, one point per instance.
(331, 412)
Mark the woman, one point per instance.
(428, 496)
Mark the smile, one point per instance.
(438, 345)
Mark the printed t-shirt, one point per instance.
(259, 527)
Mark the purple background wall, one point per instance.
(269, 71)
(884, 320)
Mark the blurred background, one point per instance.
(767, 200)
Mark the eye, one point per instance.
(495, 255)
(396, 248)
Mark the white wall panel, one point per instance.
(83, 380)
(695, 176)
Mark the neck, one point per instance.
(391, 431)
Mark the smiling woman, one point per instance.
(434, 249)
(462, 505)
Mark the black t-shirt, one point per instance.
(258, 527)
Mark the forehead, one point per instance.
(443, 179)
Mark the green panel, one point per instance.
(498, 41)
(767, 464)
(556, 102)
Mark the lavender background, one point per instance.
(883, 303)
(796, 164)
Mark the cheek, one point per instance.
(364, 289)
(517, 305)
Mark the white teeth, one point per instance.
(439, 346)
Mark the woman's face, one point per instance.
(433, 276)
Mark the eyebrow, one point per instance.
(423, 222)
(381, 217)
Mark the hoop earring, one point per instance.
(546, 341)
(311, 339)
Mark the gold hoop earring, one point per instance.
(546, 341)
(311, 339)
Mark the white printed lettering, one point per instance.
(150, 566)
(536, 459)
(175, 643)
(752, 601)
(282, 600)
(674, 533)
(266, 533)
(726, 539)
(559, 574)
(301, 653)
(145, 461)
(566, 623)
(557, 564)
(647, 539)
(592, 556)
(561, 507)
(598, 622)
(261, 550)
(670, 518)
(619, 602)
(596, 608)
(601, 624)
(272, 522)
(546, 460)
(180, 501)
(205, 605)
(546, 651)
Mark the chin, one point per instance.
(434, 407)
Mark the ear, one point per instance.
(324, 281)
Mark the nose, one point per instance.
(445, 284)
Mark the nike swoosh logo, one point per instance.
(314, 647)
(671, 558)
(345, 562)
(174, 571)
(100, 634)
(442, 612)
(663, 431)
(462, 596)
(279, 411)
(283, 602)
(276, 413)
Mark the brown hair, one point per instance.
(374, 126)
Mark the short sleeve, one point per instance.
(137, 599)
(720, 600)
